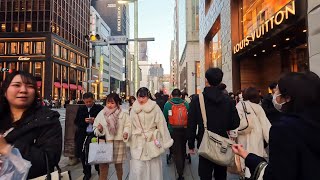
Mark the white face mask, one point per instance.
(275, 103)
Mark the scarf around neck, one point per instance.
(112, 116)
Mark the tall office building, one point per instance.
(46, 38)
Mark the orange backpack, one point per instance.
(179, 115)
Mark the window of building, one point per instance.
(13, 48)
(57, 72)
(57, 50)
(26, 47)
(37, 69)
(39, 48)
(3, 27)
(12, 66)
(2, 48)
(16, 27)
(25, 66)
(72, 57)
(79, 59)
(64, 53)
(64, 73)
(195, 14)
(73, 75)
(29, 27)
(215, 51)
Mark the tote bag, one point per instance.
(213, 146)
(100, 153)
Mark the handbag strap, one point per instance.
(245, 114)
(48, 168)
(142, 128)
(203, 110)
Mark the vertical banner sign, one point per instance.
(119, 18)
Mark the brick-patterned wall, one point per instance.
(206, 21)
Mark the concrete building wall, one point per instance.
(314, 35)
(218, 8)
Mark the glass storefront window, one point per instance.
(79, 59)
(73, 75)
(25, 66)
(26, 47)
(256, 12)
(72, 57)
(39, 47)
(12, 66)
(64, 53)
(13, 48)
(2, 48)
(215, 51)
(57, 71)
(37, 69)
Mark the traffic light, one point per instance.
(6, 70)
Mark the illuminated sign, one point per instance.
(21, 58)
(268, 25)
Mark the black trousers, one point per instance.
(179, 148)
(206, 167)
(84, 156)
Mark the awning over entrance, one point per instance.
(65, 86)
(57, 84)
(80, 88)
(39, 83)
(73, 87)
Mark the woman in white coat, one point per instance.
(109, 124)
(148, 137)
(254, 125)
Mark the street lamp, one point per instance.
(135, 62)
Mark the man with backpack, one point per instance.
(176, 114)
(222, 116)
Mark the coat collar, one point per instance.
(147, 107)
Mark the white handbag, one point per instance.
(56, 175)
(213, 146)
(100, 152)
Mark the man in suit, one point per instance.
(84, 133)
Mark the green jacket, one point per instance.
(168, 107)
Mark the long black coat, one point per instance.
(34, 135)
(222, 115)
(81, 133)
(294, 146)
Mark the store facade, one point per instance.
(254, 42)
(59, 67)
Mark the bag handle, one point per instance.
(203, 110)
(245, 114)
(48, 168)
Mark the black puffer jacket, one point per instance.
(222, 115)
(39, 132)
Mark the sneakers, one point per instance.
(180, 177)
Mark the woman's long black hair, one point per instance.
(144, 92)
(5, 112)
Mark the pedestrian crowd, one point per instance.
(244, 134)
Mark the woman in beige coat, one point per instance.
(109, 125)
(148, 137)
(254, 125)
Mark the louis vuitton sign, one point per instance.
(267, 26)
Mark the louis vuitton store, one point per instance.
(269, 38)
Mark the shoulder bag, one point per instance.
(56, 175)
(213, 146)
(245, 127)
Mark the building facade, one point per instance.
(314, 35)
(45, 38)
(188, 45)
(253, 41)
(101, 56)
(117, 69)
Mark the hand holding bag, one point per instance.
(56, 175)
(100, 152)
(152, 147)
(213, 146)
